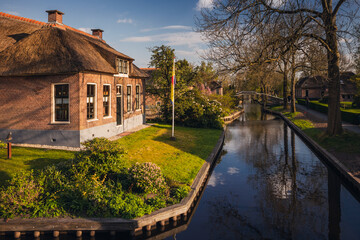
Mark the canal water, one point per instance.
(269, 185)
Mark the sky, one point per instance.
(130, 26)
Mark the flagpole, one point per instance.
(173, 101)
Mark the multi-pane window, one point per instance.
(119, 105)
(122, 66)
(90, 101)
(61, 102)
(128, 98)
(106, 100)
(137, 103)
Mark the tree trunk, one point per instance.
(292, 92)
(334, 115)
(285, 83)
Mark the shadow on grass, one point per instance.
(41, 163)
(4, 176)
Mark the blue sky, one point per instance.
(130, 26)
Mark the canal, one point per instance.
(269, 185)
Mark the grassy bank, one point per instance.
(29, 158)
(339, 143)
(127, 178)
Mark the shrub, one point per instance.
(100, 156)
(2, 145)
(147, 178)
(193, 109)
(356, 102)
(179, 193)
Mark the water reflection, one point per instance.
(270, 185)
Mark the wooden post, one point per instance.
(92, 233)
(36, 234)
(17, 235)
(56, 234)
(9, 150)
(78, 234)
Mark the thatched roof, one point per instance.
(29, 47)
(138, 72)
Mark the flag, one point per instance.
(173, 82)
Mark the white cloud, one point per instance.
(125, 20)
(204, 4)
(232, 170)
(216, 179)
(171, 27)
(87, 30)
(174, 39)
(277, 3)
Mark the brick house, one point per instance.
(60, 86)
(316, 87)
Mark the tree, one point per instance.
(233, 23)
(162, 59)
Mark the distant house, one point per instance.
(316, 87)
(212, 87)
(61, 86)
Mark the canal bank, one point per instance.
(89, 226)
(330, 159)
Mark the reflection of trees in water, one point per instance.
(291, 190)
(227, 222)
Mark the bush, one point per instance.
(100, 156)
(147, 178)
(179, 193)
(193, 109)
(346, 115)
(2, 145)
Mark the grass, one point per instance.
(29, 158)
(347, 106)
(179, 160)
(339, 143)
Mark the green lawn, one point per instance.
(29, 158)
(103, 180)
(179, 160)
(339, 143)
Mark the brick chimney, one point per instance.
(97, 32)
(55, 16)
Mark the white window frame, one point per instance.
(95, 103)
(127, 104)
(119, 68)
(109, 116)
(53, 103)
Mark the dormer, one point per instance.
(122, 67)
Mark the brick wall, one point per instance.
(100, 80)
(26, 102)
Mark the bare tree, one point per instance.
(232, 24)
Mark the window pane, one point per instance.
(61, 102)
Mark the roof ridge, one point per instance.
(63, 26)
(29, 20)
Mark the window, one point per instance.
(128, 98)
(119, 105)
(122, 66)
(137, 97)
(61, 102)
(90, 101)
(106, 100)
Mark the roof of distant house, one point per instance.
(30, 47)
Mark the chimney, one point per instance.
(98, 33)
(55, 16)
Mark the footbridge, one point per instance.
(260, 97)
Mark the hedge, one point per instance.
(346, 116)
